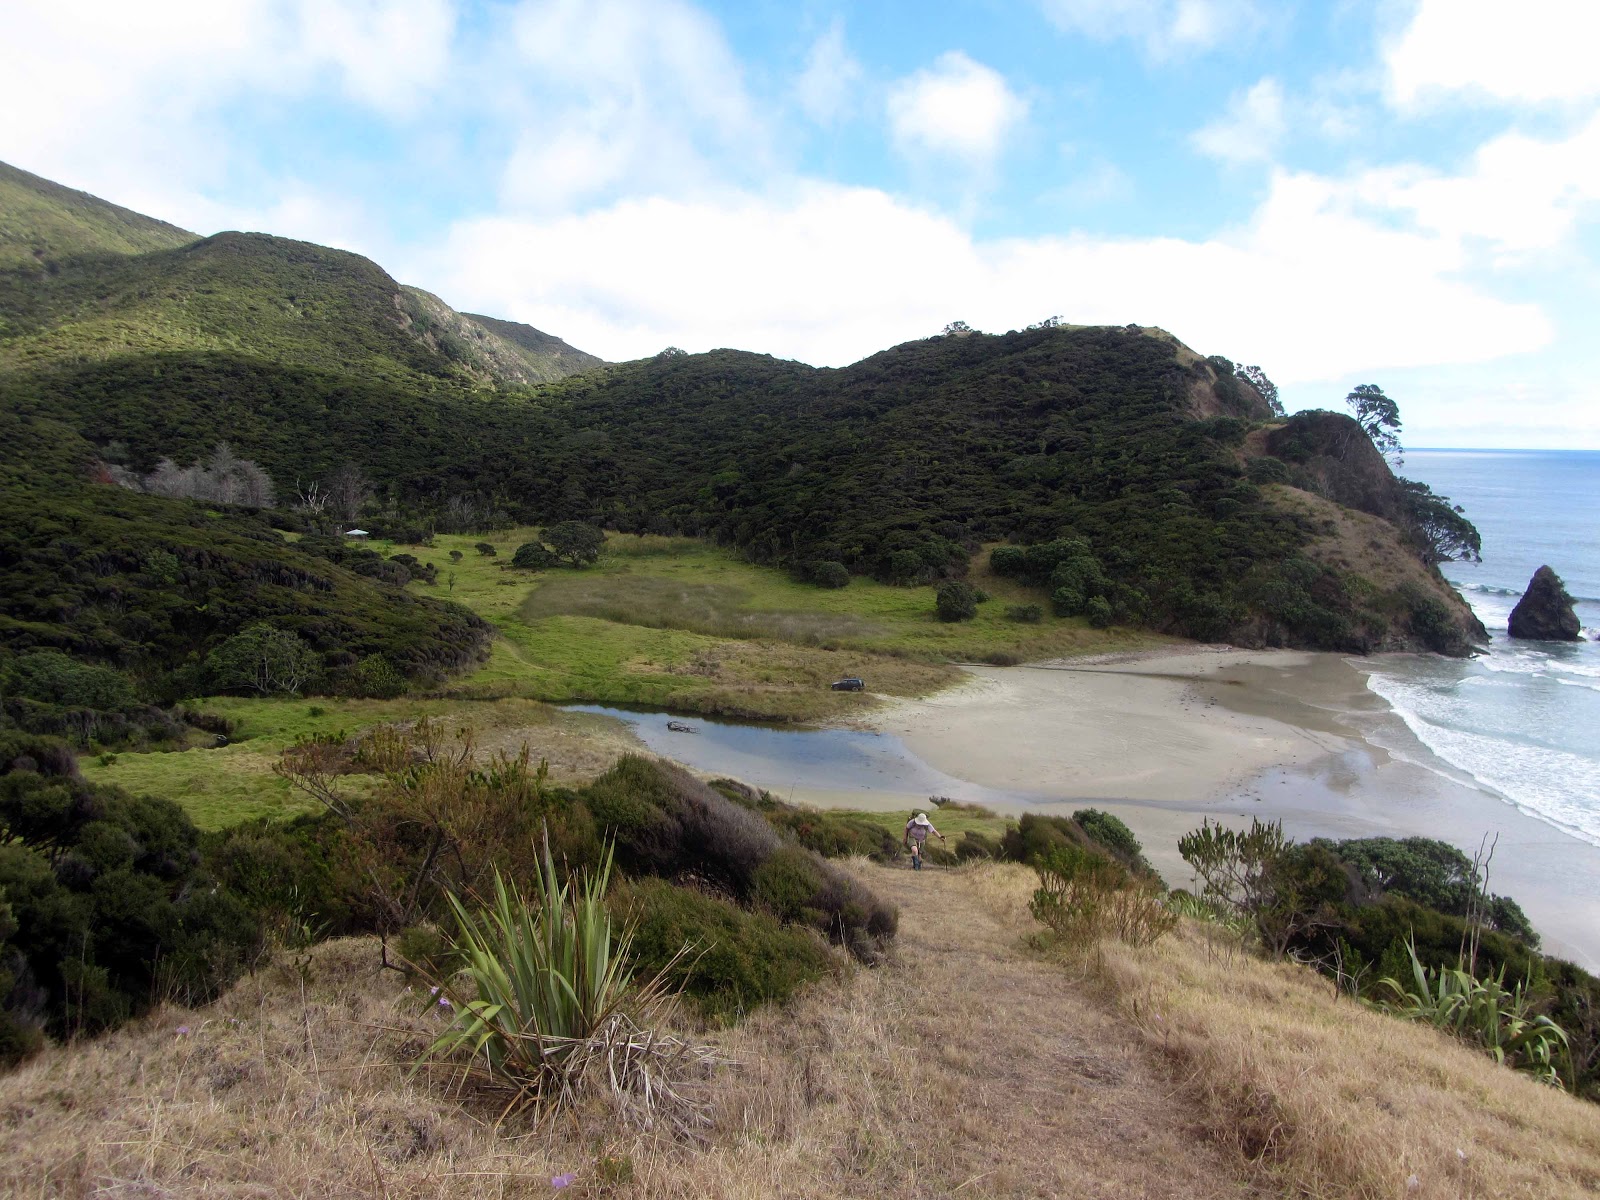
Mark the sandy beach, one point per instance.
(1170, 738)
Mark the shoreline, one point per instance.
(1167, 738)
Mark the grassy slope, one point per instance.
(42, 223)
(116, 283)
(967, 1066)
(659, 623)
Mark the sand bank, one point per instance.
(1168, 739)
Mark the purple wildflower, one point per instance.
(561, 1181)
(182, 1029)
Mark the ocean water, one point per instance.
(1523, 719)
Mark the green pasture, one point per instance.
(667, 623)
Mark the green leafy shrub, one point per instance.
(1084, 897)
(956, 600)
(666, 822)
(1025, 614)
(485, 548)
(55, 678)
(111, 904)
(737, 961)
(787, 884)
(830, 574)
(534, 556)
(836, 834)
(975, 845)
(373, 678)
(1113, 834)
(263, 659)
(1267, 469)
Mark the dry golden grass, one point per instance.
(1331, 1099)
(967, 1066)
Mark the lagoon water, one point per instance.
(1523, 719)
(777, 759)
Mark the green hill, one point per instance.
(43, 223)
(1147, 479)
(83, 280)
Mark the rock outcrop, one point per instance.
(1545, 612)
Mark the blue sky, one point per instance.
(1392, 191)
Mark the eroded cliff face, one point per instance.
(1345, 492)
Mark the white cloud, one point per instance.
(1535, 51)
(614, 93)
(829, 274)
(1164, 28)
(132, 105)
(1251, 128)
(955, 107)
(826, 87)
(1520, 195)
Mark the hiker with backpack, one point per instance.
(917, 830)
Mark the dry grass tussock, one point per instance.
(967, 1066)
(1331, 1099)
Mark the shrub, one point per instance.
(263, 659)
(1098, 610)
(737, 960)
(668, 823)
(576, 543)
(830, 574)
(53, 677)
(787, 884)
(975, 845)
(1267, 469)
(534, 556)
(1025, 614)
(485, 548)
(1112, 833)
(956, 600)
(836, 834)
(373, 678)
(111, 906)
(1085, 897)
(1009, 561)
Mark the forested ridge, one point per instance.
(1126, 456)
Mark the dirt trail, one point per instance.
(996, 1074)
(964, 1067)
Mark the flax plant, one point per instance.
(544, 1006)
(1482, 1011)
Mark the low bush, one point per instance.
(1026, 614)
(668, 823)
(106, 901)
(975, 845)
(738, 960)
(956, 600)
(1085, 897)
(835, 834)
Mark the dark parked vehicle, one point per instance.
(850, 684)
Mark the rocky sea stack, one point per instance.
(1545, 612)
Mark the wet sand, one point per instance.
(1168, 739)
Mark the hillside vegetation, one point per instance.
(43, 223)
(1121, 445)
(971, 1065)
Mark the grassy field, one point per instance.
(662, 623)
